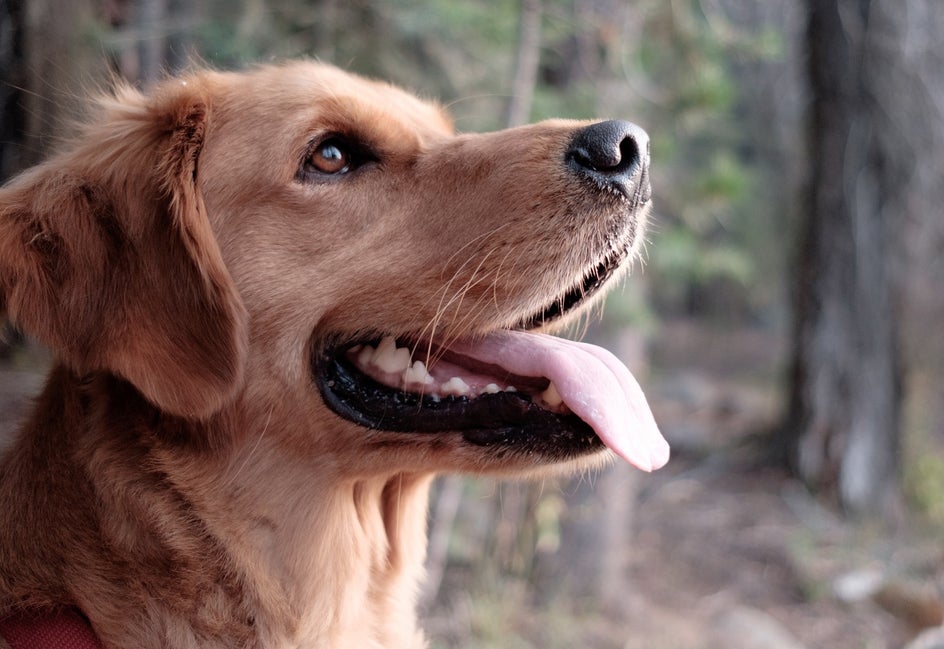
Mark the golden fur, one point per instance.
(180, 480)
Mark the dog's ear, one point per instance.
(108, 257)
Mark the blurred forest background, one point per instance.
(785, 319)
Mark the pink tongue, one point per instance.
(593, 383)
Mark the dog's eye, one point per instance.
(330, 157)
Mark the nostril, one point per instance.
(629, 153)
(614, 150)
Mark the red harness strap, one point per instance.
(66, 629)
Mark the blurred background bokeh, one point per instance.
(785, 318)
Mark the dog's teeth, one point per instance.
(511, 388)
(417, 373)
(387, 345)
(492, 388)
(365, 355)
(455, 386)
(391, 358)
(551, 396)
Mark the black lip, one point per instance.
(506, 419)
(577, 295)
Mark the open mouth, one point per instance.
(383, 388)
(513, 391)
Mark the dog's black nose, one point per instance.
(612, 154)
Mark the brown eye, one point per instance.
(330, 157)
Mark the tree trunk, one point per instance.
(13, 75)
(526, 64)
(448, 496)
(843, 424)
(151, 27)
(57, 63)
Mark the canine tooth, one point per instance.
(511, 388)
(417, 373)
(391, 358)
(455, 386)
(551, 396)
(387, 345)
(492, 388)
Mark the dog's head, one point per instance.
(323, 252)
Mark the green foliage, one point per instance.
(710, 91)
(685, 259)
(716, 212)
(549, 102)
(923, 470)
(924, 482)
(725, 180)
(466, 24)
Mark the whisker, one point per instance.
(458, 328)
(456, 299)
(447, 286)
(499, 274)
(472, 241)
(255, 446)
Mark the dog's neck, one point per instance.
(232, 543)
(336, 559)
(351, 575)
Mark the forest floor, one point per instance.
(727, 553)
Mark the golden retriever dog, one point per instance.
(281, 301)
